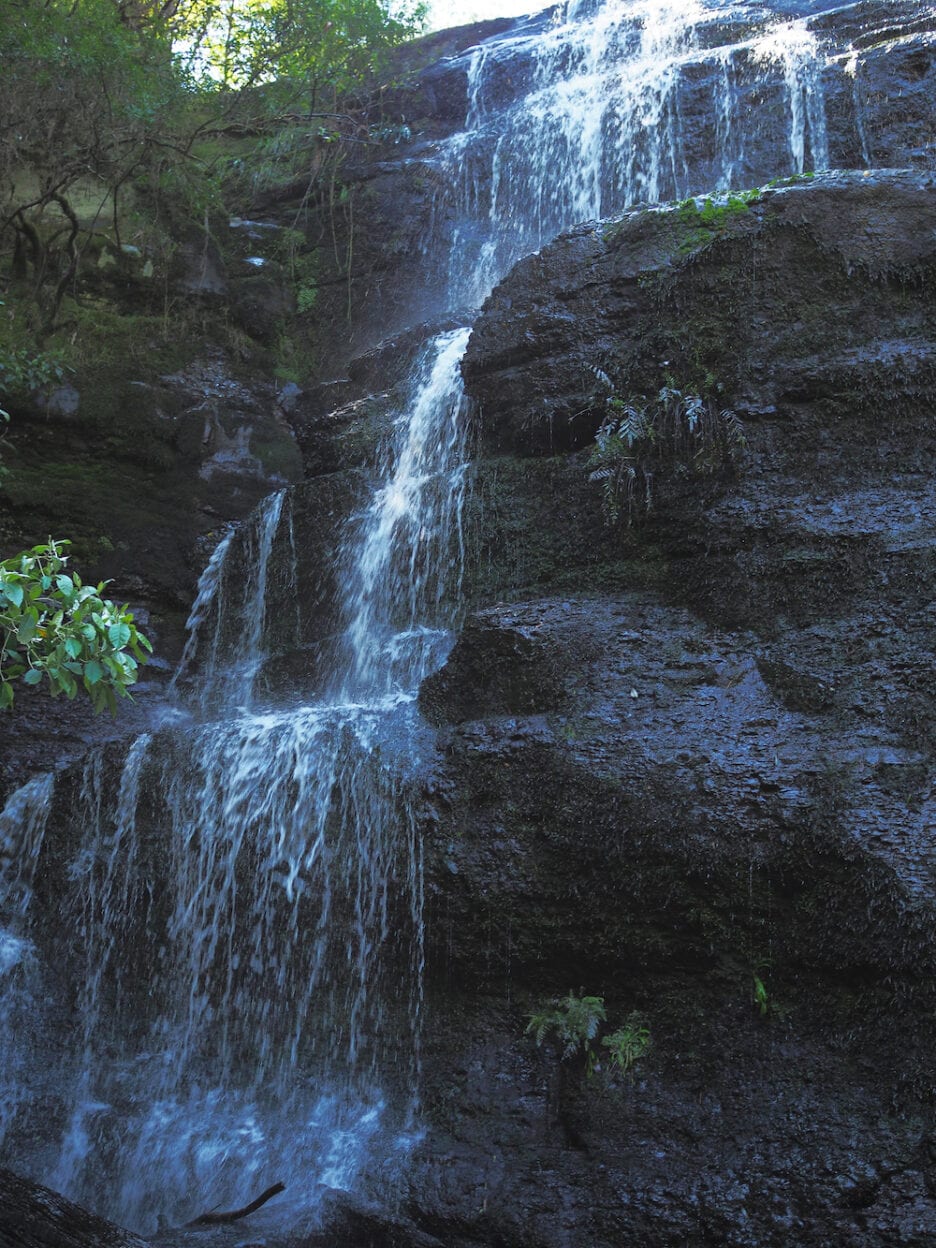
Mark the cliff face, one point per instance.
(694, 752)
(684, 754)
(182, 416)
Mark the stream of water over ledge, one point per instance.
(211, 945)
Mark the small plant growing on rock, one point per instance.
(572, 1022)
(677, 429)
(761, 999)
(628, 1044)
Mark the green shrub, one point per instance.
(572, 1021)
(54, 628)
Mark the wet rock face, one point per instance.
(666, 795)
(32, 1216)
(670, 832)
(810, 290)
(504, 663)
(870, 107)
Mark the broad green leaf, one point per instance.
(26, 630)
(93, 672)
(118, 635)
(32, 677)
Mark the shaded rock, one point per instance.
(33, 1216)
(823, 276)
(504, 663)
(350, 1220)
(728, 773)
(198, 268)
(261, 301)
(288, 395)
(62, 403)
(669, 826)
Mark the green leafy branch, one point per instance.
(23, 371)
(54, 628)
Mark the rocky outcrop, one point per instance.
(802, 291)
(32, 1216)
(689, 767)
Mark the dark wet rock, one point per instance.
(288, 396)
(504, 663)
(349, 1220)
(810, 292)
(433, 86)
(198, 268)
(62, 403)
(261, 301)
(438, 97)
(657, 794)
(33, 1216)
(670, 831)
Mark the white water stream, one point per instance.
(214, 979)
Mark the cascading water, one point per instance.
(22, 829)
(613, 117)
(401, 594)
(216, 980)
(246, 906)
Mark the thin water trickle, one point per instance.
(223, 985)
(23, 823)
(403, 589)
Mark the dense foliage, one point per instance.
(54, 628)
(118, 119)
(105, 101)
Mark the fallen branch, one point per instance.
(216, 1219)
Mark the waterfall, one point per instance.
(605, 123)
(22, 829)
(402, 581)
(225, 629)
(214, 980)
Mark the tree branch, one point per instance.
(218, 1219)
